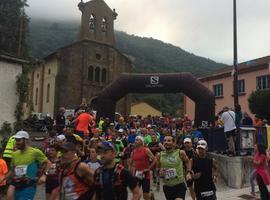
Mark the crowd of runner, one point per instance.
(90, 159)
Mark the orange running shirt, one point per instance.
(83, 121)
(3, 170)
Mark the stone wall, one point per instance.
(72, 82)
(8, 96)
(234, 170)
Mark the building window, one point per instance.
(48, 93)
(218, 90)
(97, 74)
(263, 82)
(37, 75)
(92, 23)
(98, 56)
(104, 24)
(103, 76)
(36, 97)
(90, 75)
(241, 86)
(49, 71)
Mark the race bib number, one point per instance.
(139, 174)
(207, 194)
(170, 173)
(52, 169)
(20, 170)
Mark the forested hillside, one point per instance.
(150, 55)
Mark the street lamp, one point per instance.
(235, 62)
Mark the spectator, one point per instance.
(228, 118)
(60, 121)
(247, 121)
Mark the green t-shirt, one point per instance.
(171, 162)
(148, 138)
(26, 163)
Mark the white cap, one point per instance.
(60, 138)
(21, 134)
(202, 144)
(149, 126)
(139, 138)
(120, 130)
(187, 140)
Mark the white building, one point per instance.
(10, 68)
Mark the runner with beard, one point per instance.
(24, 169)
(111, 179)
(170, 163)
(75, 178)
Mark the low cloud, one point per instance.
(201, 27)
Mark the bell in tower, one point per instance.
(97, 21)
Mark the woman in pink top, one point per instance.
(263, 178)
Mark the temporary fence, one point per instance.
(247, 136)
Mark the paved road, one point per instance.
(223, 193)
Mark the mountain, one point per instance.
(150, 55)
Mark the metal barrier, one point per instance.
(216, 138)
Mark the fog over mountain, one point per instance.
(201, 27)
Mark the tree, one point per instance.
(13, 27)
(259, 103)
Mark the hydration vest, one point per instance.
(72, 186)
(119, 190)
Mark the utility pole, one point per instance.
(235, 60)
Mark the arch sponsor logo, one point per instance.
(154, 82)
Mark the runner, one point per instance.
(10, 147)
(155, 147)
(140, 165)
(191, 154)
(205, 173)
(119, 147)
(52, 175)
(170, 163)
(93, 162)
(3, 172)
(82, 123)
(75, 178)
(112, 179)
(24, 168)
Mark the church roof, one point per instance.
(11, 58)
(88, 41)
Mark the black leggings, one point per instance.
(263, 189)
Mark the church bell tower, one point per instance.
(97, 22)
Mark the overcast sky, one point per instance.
(202, 27)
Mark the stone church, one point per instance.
(78, 72)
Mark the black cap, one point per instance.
(106, 146)
(68, 147)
